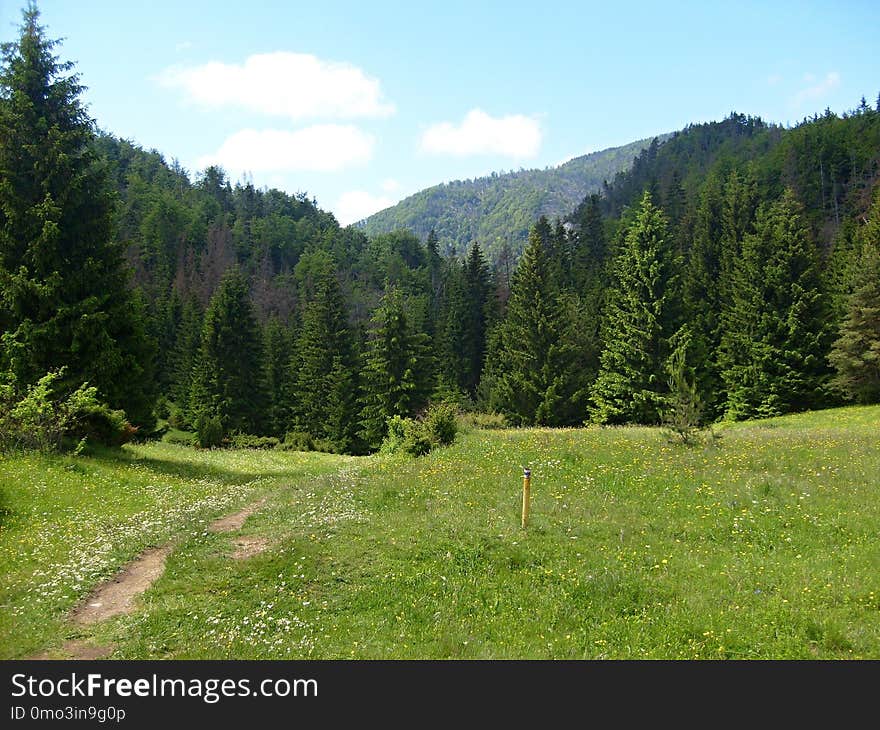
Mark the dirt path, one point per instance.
(236, 520)
(117, 596)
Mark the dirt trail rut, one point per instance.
(117, 596)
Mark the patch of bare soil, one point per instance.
(117, 595)
(77, 649)
(236, 520)
(247, 547)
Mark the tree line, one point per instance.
(735, 264)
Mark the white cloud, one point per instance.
(293, 85)
(817, 89)
(390, 185)
(320, 148)
(356, 205)
(481, 134)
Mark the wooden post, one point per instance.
(527, 485)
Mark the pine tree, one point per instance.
(64, 289)
(856, 352)
(228, 374)
(394, 371)
(638, 322)
(533, 368)
(776, 338)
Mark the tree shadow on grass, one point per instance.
(197, 469)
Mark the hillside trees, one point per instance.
(66, 299)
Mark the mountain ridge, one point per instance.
(499, 208)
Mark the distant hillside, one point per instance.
(502, 207)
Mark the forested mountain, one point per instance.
(501, 208)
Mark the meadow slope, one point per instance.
(760, 545)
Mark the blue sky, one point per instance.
(359, 104)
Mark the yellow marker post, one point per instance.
(527, 486)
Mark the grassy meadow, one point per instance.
(762, 544)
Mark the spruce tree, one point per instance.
(856, 352)
(228, 374)
(776, 338)
(183, 357)
(638, 321)
(394, 371)
(276, 373)
(324, 370)
(701, 296)
(473, 346)
(453, 363)
(64, 288)
(534, 368)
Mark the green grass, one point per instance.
(763, 545)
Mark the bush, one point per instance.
(209, 431)
(488, 421)
(682, 418)
(297, 441)
(43, 419)
(248, 441)
(440, 425)
(437, 427)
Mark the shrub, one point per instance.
(43, 419)
(297, 441)
(437, 427)
(248, 441)
(488, 421)
(439, 423)
(683, 416)
(209, 431)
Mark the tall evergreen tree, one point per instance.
(184, 354)
(228, 374)
(277, 353)
(590, 249)
(324, 370)
(533, 369)
(453, 363)
(473, 345)
(64, 289)
(701, 296)
(394, 371)
(639, 319)
(776, 338)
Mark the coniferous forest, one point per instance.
(732, 272)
